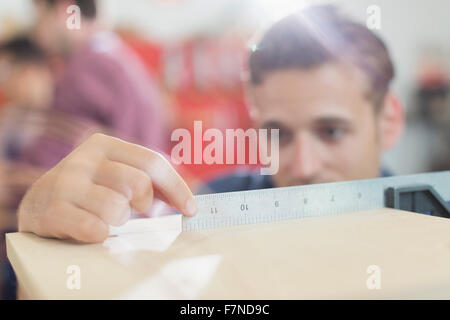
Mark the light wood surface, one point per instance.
(319, 257)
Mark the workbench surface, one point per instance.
(319, 257)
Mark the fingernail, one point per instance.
(191, 207)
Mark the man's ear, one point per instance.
(391, 121)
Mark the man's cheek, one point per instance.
(345, 157)
(360, 157)
(286, 158)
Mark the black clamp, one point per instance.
(421, 199)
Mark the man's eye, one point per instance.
(331, 133)
(285, 137)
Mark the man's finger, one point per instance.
(73, 222)
(164, 177)
(133, 183)
(110, 206)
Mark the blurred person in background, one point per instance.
(28, 86)
(102, 82)
(27, 118)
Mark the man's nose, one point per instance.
(307, 161)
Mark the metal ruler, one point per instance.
(425, 193)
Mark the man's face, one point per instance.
(328, 128)
(26, 84)
(49, 28)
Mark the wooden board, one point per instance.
(318, 257)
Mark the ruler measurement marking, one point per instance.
(304, 201)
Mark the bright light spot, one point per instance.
(184, 278)
(276, 9)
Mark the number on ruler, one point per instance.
(244, 207)
(277, 203)
(213, 210)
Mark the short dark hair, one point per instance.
(22, 49)
(88, 8)
(321, 34)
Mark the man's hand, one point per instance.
(97, 185)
